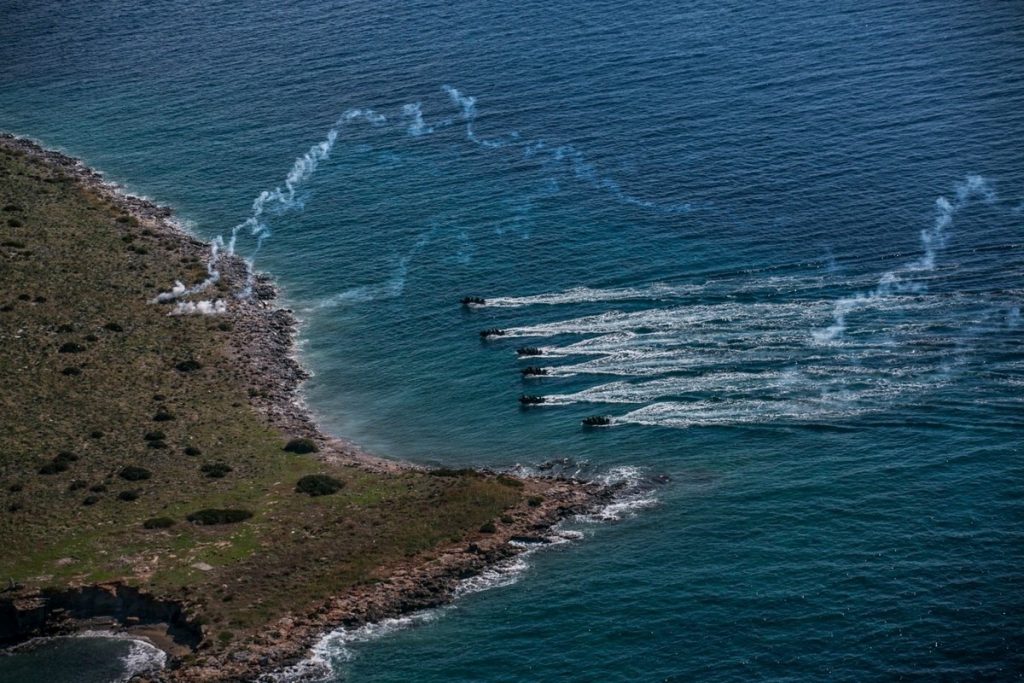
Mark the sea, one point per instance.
(779, 245)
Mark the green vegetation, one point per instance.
(158, 523)
(134, 473)
(73, 278)
(301, 446)
(212, 516)
(215, 470)
(318, 485)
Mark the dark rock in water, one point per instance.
(472, 301)
(492, 332)
(534, 371)
(597, 421)
(528, 351)
(530, 400)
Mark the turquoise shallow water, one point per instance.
(723, 225)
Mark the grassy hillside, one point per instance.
(113, 413)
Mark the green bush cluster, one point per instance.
(60, 463)
(318, 485)
(134, 473)
(212, 516)
(215, 470)
(301, 446)
(449, 472)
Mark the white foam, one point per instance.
(628, 501)
(577, 295)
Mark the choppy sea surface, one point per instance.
(779, 245)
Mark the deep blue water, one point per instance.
(721, 222)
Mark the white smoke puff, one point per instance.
(417, 126)
(204, 307)
(176, 291)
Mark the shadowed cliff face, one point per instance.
(53, 611)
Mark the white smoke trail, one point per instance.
(285, 198)
(417, 126)
(902, 280)
(205, 307)
(392, 288)
(582, 169)
(275, 201)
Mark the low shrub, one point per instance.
(14, 488)
(98, 488)
(91, 338)
(448, 472)
(488, 528)
(534, 501)
(14, 244)
(163, 415)
(71, 347)
(66, 456)
(54, 467)
(511, 482)
(71, 371)
(12, 207)
(212, 516)
(158, 523)
(113, 327)
(192, 450)
(134, 473)
(77, 485)
(128, 496)
(157, 444)
(188, 366)
(155, 435)
(95, 434)
(91, 500)
(65, 328)
(318, 485)
(14, 223)
(301, 446)
(15, 506)
(215, 470)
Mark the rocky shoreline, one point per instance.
(262, 342)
